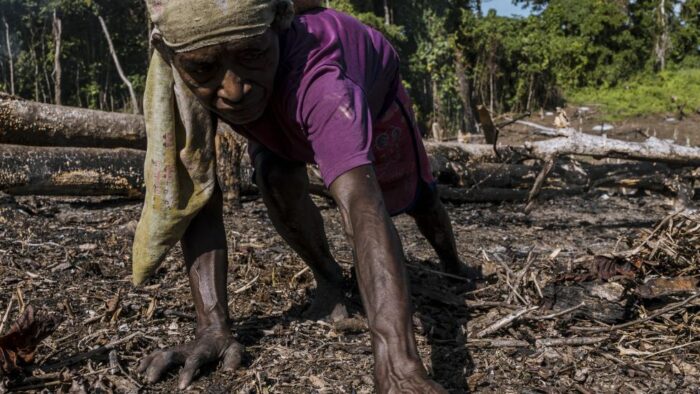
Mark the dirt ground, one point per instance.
(72, 256)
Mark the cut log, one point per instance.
(571, 142)
(31, 123)
(93, 171)
(71, 171)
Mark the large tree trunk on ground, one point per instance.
(572, 143)
(94, 172)
(71, 171)
(31, 123)
(460, 166)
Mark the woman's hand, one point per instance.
(383, 283)
(210, 346)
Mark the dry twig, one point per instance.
(506, 321)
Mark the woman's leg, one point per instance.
(434, 223)
(284, 186)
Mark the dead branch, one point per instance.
(582, 341)
(506, 321)
(91, 354)
(496, 343)
(572, 142)
(539, 182)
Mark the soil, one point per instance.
(72, 256)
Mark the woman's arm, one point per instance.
(383, 282)
(204, 247)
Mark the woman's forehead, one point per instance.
(260, 42)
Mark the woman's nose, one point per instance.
(233, 88)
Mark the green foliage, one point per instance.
(89, 77)
(645, 94)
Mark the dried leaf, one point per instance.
(112, 305)
(608, 267)
(17, 347)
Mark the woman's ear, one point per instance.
(159, 44)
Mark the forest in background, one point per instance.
(457, 54)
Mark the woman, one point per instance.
(318, 87)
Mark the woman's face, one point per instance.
(235, 80)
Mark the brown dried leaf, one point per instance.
(608, 267)
(112, 305)
(17, 347)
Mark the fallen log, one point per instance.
(71, 171)
(30, 123)
(25, 122)
(570, 143)
(91, 171)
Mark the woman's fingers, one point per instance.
(155, 365)
(193, 356)
(196, 360)
(160, 364)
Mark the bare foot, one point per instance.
(458, 268)
(328, 304)
(416, 384)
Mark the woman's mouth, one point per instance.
(241, 114)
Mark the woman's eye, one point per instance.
(199, 69)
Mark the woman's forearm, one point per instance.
(381, 273)
(205, 252)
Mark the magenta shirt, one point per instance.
(339, 102)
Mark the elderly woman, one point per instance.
(318, 87)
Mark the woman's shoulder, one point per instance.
(322, 36)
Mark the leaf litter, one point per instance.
(539, 322)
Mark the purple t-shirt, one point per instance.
(337, 84)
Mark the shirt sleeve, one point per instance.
(337, 119)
